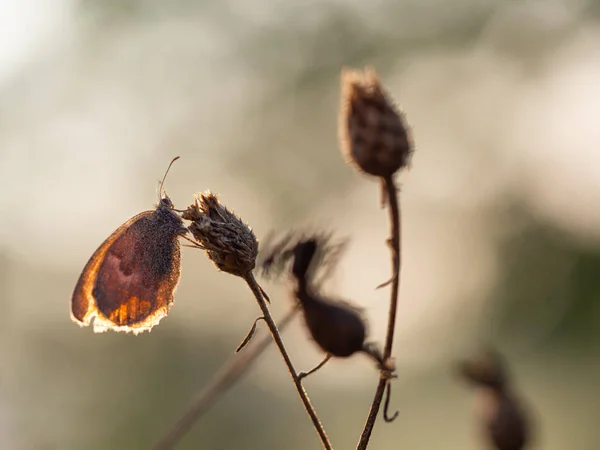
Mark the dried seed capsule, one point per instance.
(485, 369)
(336, 326)
(371, 130)
(229, 242)
(500, 415)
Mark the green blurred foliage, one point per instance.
(550, 290)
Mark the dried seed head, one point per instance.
(486, 368)
(372, 132)
(504, 422)
(229, 242)
(336, 326)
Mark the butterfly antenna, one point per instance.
(160, 190)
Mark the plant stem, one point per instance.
(256, 290)
(227, 375)
(394, 242)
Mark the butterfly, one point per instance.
(129, 282)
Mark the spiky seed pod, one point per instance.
(372, 131)
(229, 243)
(501, 417)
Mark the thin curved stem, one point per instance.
(227, 375)
(303, 375)
(386, 405)
(256, 290)
(394, 243)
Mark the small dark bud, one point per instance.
(499, 412)
(337, 328)
(228, 241)
(372, 132)
(485, 369)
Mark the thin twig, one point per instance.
(249, 335)
(386, 405)
(303, 375)
(256, 290)
(228, 374)
(394, 242)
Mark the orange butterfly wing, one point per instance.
(129, 282)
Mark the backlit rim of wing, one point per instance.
(84, 309)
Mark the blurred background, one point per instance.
(501, 224)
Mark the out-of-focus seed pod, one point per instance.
(372, 131)
(336, 326)
(503, 421)
(486, 368)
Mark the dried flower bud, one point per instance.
(372, 132)
(500, 415)
(336, 326)
(229, 242)
(487, 368)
